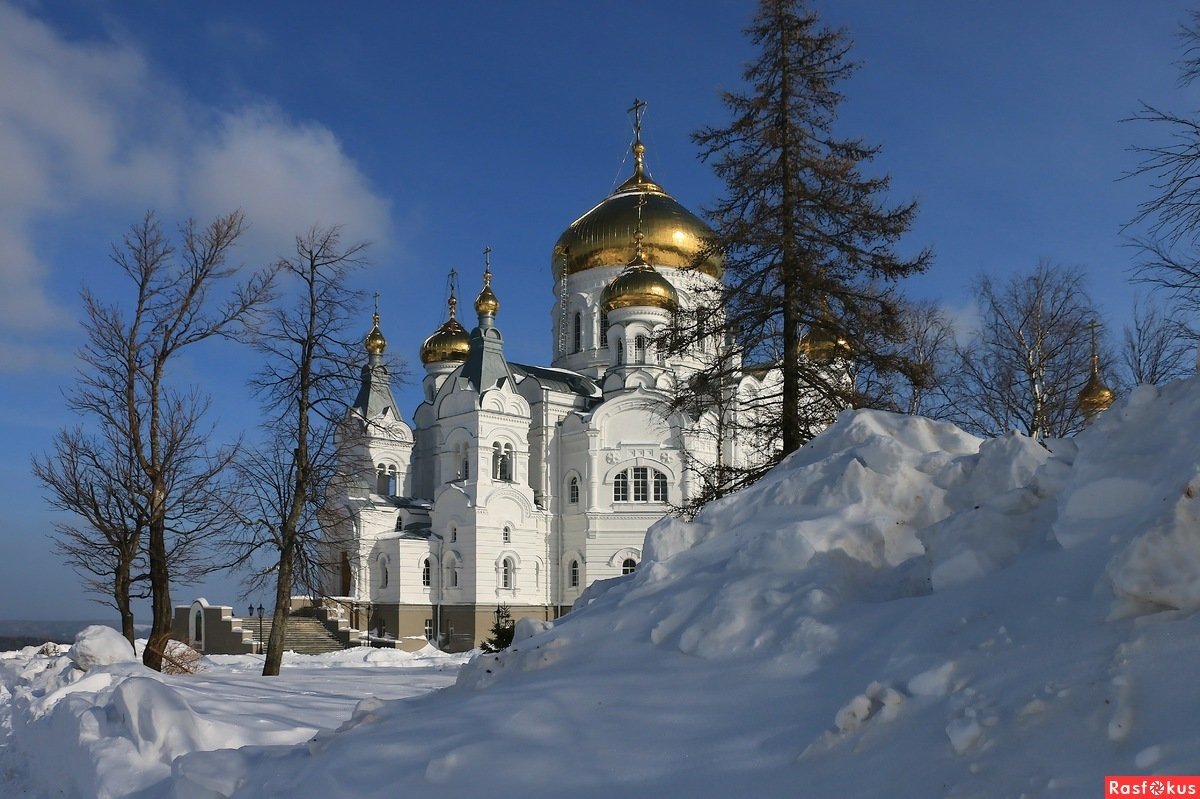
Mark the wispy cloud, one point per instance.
(86, 127)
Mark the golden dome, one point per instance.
(822, 345)
(375, 343)
(1095, 396)
(450, 342)
(640, 286)
(675, 237)
(486, 302)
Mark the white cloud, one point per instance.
(85, 128)
(287, 178)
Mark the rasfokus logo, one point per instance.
(1156, 785)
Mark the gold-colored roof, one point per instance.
(674, 236)
(486, 302)
(822, 345)
(450, 342)
(1095, 396)
(640, 286)
(375, 343)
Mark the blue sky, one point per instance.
(437, 129)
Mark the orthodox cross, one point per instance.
(637, 109)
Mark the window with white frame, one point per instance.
(641, 484)
(660, 486)
(429, 629)
(573, 491)
(621, 487)
(574, 574)
(383, 571)
(628, 566)
(426, 573)
(506, 535)
(603, 329)
(507, 573)
(648, 485)
(639, 349)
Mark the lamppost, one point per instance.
(261, 643)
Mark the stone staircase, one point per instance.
(305, 634)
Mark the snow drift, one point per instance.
(898, 609)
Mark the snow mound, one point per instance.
(98, 645)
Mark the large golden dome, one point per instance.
(674, 236)
(450, 342)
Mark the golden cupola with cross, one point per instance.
(450, 342)
(1095, 397)
(603, 237)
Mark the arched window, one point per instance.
(603, 329)
(621, 487)
(660, 486)
(383, 571)
(506, 535)
(381, 479)
(639, 349)
(620, 353)
(462, 461)
(577, 333)
(506, 573)
(574, 571)
(628, 566)
(573, 491)
(453, 534)
(497, 460)
(451, 573)
(506, 463)
(399, 523)
(426, 573)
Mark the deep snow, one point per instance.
(900, 609)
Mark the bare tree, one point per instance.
(1172, 214)
(95, 478)
(160, 470)
(306, 380)
(929, 345)
(1156, 346)
(1026, 364)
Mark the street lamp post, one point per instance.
(261, 643)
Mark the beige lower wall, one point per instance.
(461, 627)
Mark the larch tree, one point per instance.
(155, 490)
(808, 238)
(305, 381)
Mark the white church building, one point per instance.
(517, 484)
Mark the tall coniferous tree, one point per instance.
(809, 240)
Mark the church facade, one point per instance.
(518, 485)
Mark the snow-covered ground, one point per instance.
(900, 609)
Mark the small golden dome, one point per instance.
(822, 345)
(1095, 396)
(640, 286)
(486, 302)
(450, 342)
(375, 343)
(675, 237)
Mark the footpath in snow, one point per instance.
(900, 609)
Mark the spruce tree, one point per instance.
(809, 241)
(502, 631)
